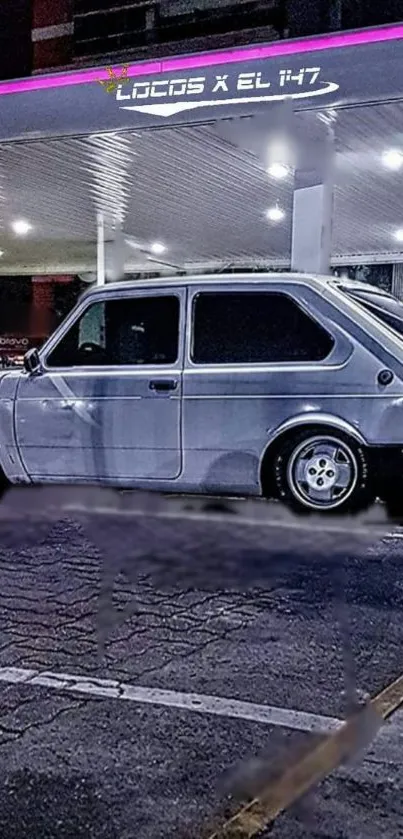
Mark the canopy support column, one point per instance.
(313, 208)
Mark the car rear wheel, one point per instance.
(323, 471)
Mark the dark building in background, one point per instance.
(15, 38)
(320, 16)
(83, 32)
(172, 26)
(360, 13)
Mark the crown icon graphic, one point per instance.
(116, 77)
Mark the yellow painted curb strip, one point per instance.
(337, 748)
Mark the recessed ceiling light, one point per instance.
(399, 234)
(1, 253)
(392, 159)
(157, 248)
(275, 214)
(21, 227)
(278, 170)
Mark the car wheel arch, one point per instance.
(328, 423)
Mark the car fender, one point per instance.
(316, 418)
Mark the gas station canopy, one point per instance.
(177, 152)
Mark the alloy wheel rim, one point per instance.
(322, 473)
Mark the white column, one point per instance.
(115, 257)
(100, 250)
(313, 208)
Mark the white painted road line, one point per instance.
(391, 734)
(201, 703)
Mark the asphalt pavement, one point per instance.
(153, 670)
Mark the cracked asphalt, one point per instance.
(288, 617)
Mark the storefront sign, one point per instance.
(10, 344)
(175, 95)
(315, 73)
(17, 345)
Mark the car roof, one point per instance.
(313, 280)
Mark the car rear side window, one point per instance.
(255, 327)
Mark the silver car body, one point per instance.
(210, 434)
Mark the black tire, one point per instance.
(319, 460)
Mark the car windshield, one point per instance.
(385, 307)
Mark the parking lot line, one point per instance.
(299, 777)
(199, 703)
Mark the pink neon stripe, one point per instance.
(272, 50)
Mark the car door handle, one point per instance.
(163, 384)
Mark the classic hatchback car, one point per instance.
(279, 385)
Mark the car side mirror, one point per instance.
(32, 362)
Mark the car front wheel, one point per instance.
(323, 471)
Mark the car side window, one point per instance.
(126, 331)
(255, 327)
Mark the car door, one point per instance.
(256, 356)
(107, 402)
